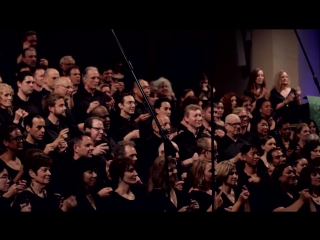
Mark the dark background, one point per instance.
(178, 55)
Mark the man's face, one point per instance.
(131, 153)
(128, 106)
(39, 77)
(285, 131)
(277, 157)
(31, 58)
(165, 109)
(51, 78)
(84, 149)
(145, 87)
(107, 76)
(59, 110)
(92, 79)
(165, 124)
(26, 86)
(67, 63)
(37, 130)
(96, 130)
(233, 126)
(65, 88)
(32, 40)
(244, 118)
(206, 114)
(75, 76)
(104, 114)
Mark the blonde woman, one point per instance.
(6, 113)
(284, 98)
(201, 182)
(232, 198)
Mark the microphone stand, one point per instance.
(167, 142)
(316, 81)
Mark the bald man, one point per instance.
(64, 87)
(230, 144)
(103, 113)
(50, 75)
(150, 149)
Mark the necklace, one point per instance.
(44, 192)
(316, 199)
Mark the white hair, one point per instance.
(157, 83)
(64, 58)
(85, 72)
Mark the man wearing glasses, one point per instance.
(230, 144)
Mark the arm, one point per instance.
(282, 104)
(292, 208)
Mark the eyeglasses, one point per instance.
(5, 178)
(67, 87)
(234, 124)
(172, 169)
(243, 116)
(18, 139)
(98, 129)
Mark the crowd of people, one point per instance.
(74, 140)
(267, 150)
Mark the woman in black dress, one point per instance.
(233, 199)
(157, 187)
(124, 198)
(200, 176)
(284, 99)
(7, 116)
(12, 143)
(284, 195)
(310, 179)
(7, 192)
(37, 169)
(84, 180)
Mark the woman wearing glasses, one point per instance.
(7, 192)
(12, 143)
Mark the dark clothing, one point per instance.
(120, 127)
(148, 155)
(38, 95)
(5, 204)
(159, 202)
(144, 126)
(52, 131)
(204, 200)
(187, 143)
(32, 106)
(289, 111)
(50, 203)
(228, 148)
(5, 117)
(117, 203)
(82, 99)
